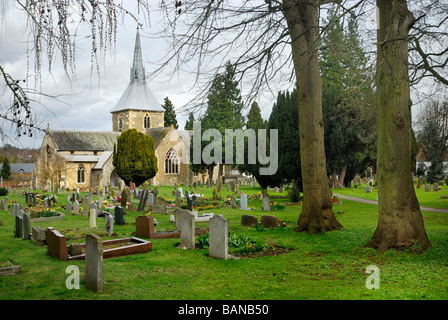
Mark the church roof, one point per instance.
(158, 134)
(137, 95)
(73, 140)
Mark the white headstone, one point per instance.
(243, 205)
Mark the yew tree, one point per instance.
(134, 157)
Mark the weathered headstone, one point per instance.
(85, 207)
(435, 187)
(94, 263)
(187, 230)
(427, 187)
(189, 203)
(269, 221)
(266, 204)
(76, 207)
(92, 218)
(163, 207)
(368, 189)
(233, 202)
(39, 236)
(109, 223)
(219, 237)
(5, 204)
(248, 220)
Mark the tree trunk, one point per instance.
(317, 214)
(342, 177)
(400, 223)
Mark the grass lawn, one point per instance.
(323, 266)
(430, 199)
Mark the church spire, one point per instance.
(137, 70)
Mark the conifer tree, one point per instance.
(5, 173)
(189, 122)
(134, 157)
(169, 118)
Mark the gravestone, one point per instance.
(243, 205)
(69, 208)
(119, 215)
(56, 244)
(109, 223)
(219, 237)
(178, 202)
(187, 230)
(189, 203)
(176, 214)
(150, 199)
(85, 207)
(266, 204)
(419, 183)
(94, 263)
(5, 204)
(233, 202)
(124, 198)
(269, 221)
(132, 207)
(92, 218)
(143, 200)
(163, 207)
(368, 189)
(248, 220)
(427, 187)
(39, 236)
(76, 207)
(155, 192)
(26, 226)
(18, 227)
(435, 187)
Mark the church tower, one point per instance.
(137, 108)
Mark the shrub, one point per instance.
(3, 191)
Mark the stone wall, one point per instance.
(135, 119)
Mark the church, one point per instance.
(83, 159)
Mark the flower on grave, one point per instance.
(149, 213)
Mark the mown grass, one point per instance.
(431, 199)
(322, 266)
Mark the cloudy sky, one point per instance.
(85, 103)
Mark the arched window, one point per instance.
(120, 123)
(81, 174)
(171, 162)
(146, 122)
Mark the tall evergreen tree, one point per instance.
(224, 111)
(169, 118)
(134, 157)
(189, 122)
(5, 173)
(254, 119)
(347, 102)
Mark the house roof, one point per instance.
(71, 140)
(137, 95)
(20, 167)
